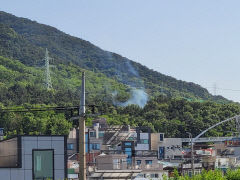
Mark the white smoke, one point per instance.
(138, 94)
(139, 97)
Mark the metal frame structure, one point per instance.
(48, 82)
(236, 118)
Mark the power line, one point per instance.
(54, 108)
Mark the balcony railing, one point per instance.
(140, 153)
(137, 153)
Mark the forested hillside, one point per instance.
(175, 117)
(174, 107)
(26, 40)
(21, 84)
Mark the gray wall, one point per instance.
(105, 162)
(37, 142)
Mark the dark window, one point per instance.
(139, 162)
(177, 157)
(161, 152)
(92, 134)
(70, 146)
(95, 146)
(148, 162)
(161, 137)
(43, 164)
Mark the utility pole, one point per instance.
(192, 155)
(82, 153)
(48, 81)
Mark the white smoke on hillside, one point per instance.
(138, 93)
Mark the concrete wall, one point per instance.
(155, 165)
(172, 145)
(105, 162)
(37, 142)
(154, 141)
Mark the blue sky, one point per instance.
(196, 41)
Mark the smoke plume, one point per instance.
(138, 97)
(138, 93)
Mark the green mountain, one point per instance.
(26, 40)
(21, 84)
(110, 78)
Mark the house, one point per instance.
(113, 166)
(168, 148)
(33, 157)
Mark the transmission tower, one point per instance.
(48, 82)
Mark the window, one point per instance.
(43, 164)
(128, 151)
(177, 157)
(148, 162)
(190, 173)
(92, 134)
(70, 146)
(154, 176)
(144, 141)
(128, 144)
(161, 137)
(95, 146)
(161, 152)
(101, 134)
(140, 175)
(139, 162)
(116, 163)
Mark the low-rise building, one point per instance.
(33, 157)
(168, 148)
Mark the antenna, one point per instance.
(48, 82)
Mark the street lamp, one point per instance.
(192, 155)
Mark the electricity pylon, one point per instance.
(48, 82)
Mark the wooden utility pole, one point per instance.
(82, 153)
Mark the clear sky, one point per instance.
(196, 41)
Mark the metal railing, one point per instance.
(208, 139)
